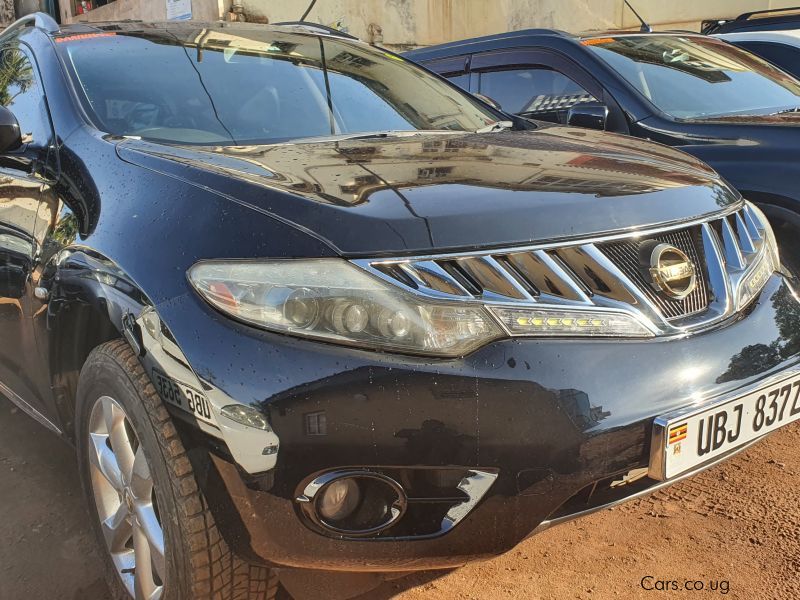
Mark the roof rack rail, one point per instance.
(317, 28)
(39, 20)
(740, 23)
(746, 16)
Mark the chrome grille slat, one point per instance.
(745, 240)
(603, 274)
(718, 279)
(428, 273)
(509, 277)
(641, 300)
(733, 254)
(493, 280)
(752, 224)
(575, 290)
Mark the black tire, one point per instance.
(199, 564)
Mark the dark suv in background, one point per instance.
(722, 104)
(773, 19)
(313, 316)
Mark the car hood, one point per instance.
(454, 191)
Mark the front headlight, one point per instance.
(333, 300)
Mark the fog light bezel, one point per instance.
(312, 493)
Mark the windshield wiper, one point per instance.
(367, 135)
(496, 126)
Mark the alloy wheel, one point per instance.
(125, 500)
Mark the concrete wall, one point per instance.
(425, 22)
(146, 10)
(410, 23)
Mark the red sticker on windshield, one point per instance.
(597, 41)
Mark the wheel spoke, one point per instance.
(117, 529)
(118, 435)
(141, 481)
(144, 586)
(151, 528)
(104, 460)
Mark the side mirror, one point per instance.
(591, 115)
(10, 136)
(490, 101)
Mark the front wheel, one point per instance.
(159, 539)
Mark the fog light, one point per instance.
(339, 499)
(353, 503)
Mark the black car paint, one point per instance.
(449, 191)
(551, 416)
(759, 156)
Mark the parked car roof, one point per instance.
(789, 36)
(760, 20)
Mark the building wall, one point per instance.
(146, 10)
(426, 22)
(411, 23)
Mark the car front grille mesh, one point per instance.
(627, 256)
(607, 273)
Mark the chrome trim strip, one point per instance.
(724, 262)
(548, 523)
(475, 486)
(28, 409)
(633, 232)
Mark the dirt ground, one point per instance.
(735, 528)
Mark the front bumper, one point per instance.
(555, 420)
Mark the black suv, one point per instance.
(305, 308)
(722, 104)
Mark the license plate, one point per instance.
(683, 442)
(182, 396)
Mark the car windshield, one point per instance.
(693, 77)
(253, 85)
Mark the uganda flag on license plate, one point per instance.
(677, 433)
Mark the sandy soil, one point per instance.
(736, 527)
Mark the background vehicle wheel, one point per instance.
(159, 538)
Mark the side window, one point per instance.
(536, 92)
(21, 93)
(782, 56)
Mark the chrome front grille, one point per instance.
(627, 255)
(603, 274)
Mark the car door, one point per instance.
(23, 184)
(539, 84)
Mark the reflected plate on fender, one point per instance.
(685, 440)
